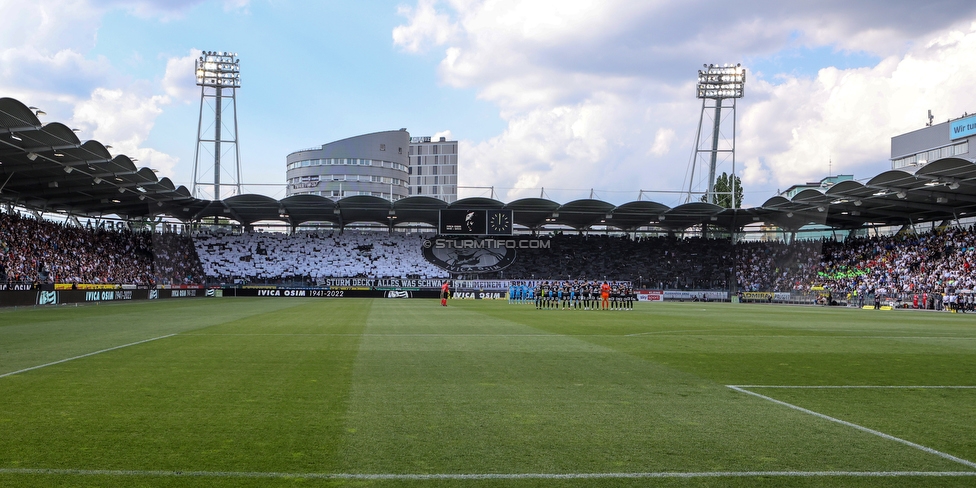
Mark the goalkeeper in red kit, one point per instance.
(445, 292)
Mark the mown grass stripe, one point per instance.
(858, 427)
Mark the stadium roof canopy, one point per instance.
(45, 167)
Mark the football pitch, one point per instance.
(385, 392)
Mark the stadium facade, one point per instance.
(370, 164)
(434, 168)
(390, 165)
(950, 139)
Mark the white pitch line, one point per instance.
(859, 427)
(84, 356)
(701, 333)
(380, 335)
(482, 476)
(855, 387)
(678, 332)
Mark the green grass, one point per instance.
(244, 392)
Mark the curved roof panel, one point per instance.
(637, 214)
(365, 208)
(418, 209)
(580, 214)
(15, 116)
(476, 203)
(532, 212)
(248, 209)
(45, 167)
(691, 214)
(309, 208)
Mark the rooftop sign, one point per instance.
(964, 127)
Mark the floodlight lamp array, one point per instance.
(721, 81)
(218, 69)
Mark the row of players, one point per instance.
(574, 295)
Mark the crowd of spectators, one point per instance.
(265, 256)
(40, 252)
(658, 262)
(937, 262)
(902, 265)
(777, 266)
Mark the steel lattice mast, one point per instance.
(716, 83)
(218, 76)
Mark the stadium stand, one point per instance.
(259, 256)
(914, 268)
(40, 251)
(777, 266)
(659, 262)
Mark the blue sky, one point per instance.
(312, 73)
(570, 96)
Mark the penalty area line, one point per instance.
(480, 476)
(878, 433)
(84, 356)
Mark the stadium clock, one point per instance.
(500, 222)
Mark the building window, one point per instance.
(382, 147)
(959, 149)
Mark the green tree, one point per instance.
(723, 191)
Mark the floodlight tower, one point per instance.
(218, 76)
(717, 83)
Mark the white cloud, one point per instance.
(49, 26)
(425, 26)
(849, 116)
(161, 10)
(600, 94)
(446, 134)
(662, 142)
(123, 120)
(237, 5)
(179, 82)
(41, 77)
(43, 62)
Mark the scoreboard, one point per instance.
(475, 222)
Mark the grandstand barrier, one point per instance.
(346, 292)
(695, 295)
(479, 295)
(21, 298)
(682, 296)
(816, 297)
(786, 297)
